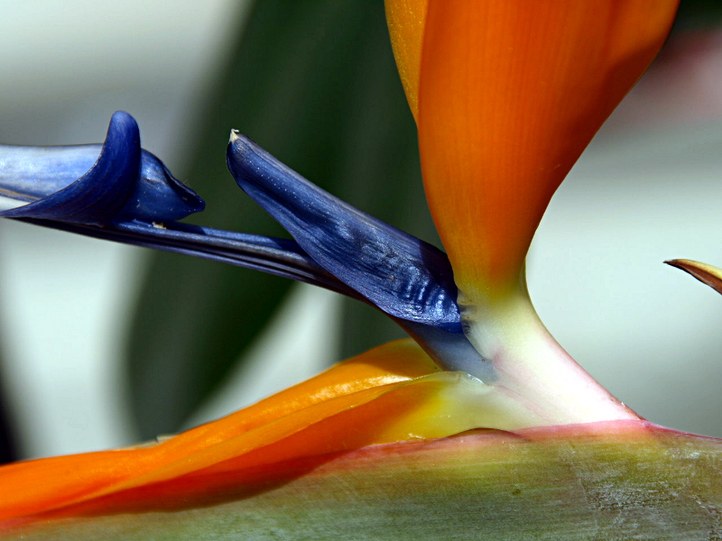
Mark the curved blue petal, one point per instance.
(404, 276)
(98, 195)
(92, 184)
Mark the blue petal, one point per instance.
(122, 193)
(402, 275)
(92, 184)
(158, 196)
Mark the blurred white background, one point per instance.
(648, 189)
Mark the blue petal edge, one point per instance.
(279, 257)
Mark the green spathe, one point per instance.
(619, 480)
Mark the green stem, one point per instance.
(532, 368)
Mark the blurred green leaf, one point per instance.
(8, 439)
(698, 14)
(314, 83)
(8, 445)
(379, 164)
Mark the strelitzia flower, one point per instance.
(480, 424)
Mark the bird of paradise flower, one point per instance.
(506, 96)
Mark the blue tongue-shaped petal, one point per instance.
(93, 184)
(30, 173)
(404, 276)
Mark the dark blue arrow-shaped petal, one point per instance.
(402, 275)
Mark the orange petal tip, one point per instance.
(705, 273)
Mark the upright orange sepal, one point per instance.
(510, 93)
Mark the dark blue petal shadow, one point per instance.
(279, 257)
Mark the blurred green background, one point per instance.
(101, 344)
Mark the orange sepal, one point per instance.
(510, 93)
(304, 420)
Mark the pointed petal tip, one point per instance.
(123, 117)
(705, 273)
(243, 152)
(242, 148)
